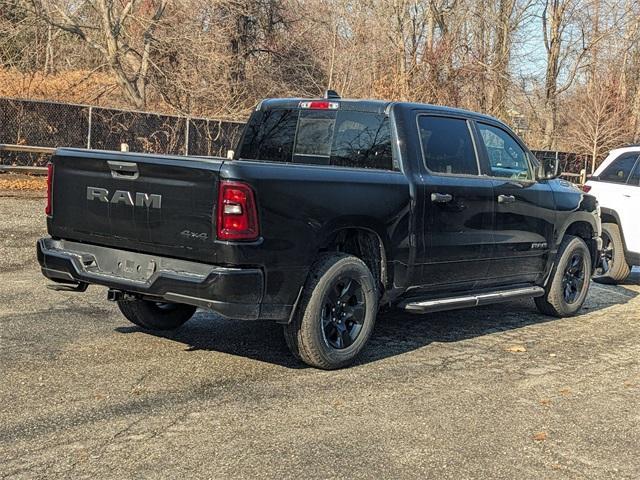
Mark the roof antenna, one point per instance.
(331, 95)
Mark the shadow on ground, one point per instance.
(396, 332)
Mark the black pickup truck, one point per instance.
(328, 210)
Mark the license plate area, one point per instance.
(136, 269)
(130, 266)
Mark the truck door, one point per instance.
(458, 206)
(525, 209)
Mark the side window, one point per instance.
(634, 179)
(506, 158)
(447, 145)
(620, 169)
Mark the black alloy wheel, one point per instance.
(343, 313)
(573, 278)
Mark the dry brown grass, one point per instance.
(22, 182)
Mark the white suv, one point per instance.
(616, 184)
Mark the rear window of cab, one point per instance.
(342, 138)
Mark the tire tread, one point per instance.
(621, 269)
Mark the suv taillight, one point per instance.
(237, 212)
(49, 208)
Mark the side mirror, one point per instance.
(549, 168)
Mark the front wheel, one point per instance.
(568, 285)
(336, 313)
(156, 315)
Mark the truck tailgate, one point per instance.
(147, 203)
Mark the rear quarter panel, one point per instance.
(301, 206)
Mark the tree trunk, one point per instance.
(553, 17)
(501, 56)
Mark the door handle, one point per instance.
(506, 199)
(126, 170)
(441, 197)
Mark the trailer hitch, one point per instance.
(114, 295)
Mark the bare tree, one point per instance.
(122, 33)
(599, 119)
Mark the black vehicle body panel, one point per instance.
(428, 249)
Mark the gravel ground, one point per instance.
(495, 392)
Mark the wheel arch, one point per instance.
(587, 230)
(609, 215)
(365, 242)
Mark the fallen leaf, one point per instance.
(516, 349)
(545, 401)
(540, 436)
(565, 391)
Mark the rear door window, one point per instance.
(326, 137)
(620, 169)
(447, 146)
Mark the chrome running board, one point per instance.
(451, 303)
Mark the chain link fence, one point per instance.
(50, 124)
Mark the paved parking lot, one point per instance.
(497, 392)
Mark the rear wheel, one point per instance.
(156, 315)
(614, 266)
(336, 314)
(568, 285)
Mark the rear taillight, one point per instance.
(237, 212)
(586, 188)
(49, 208)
